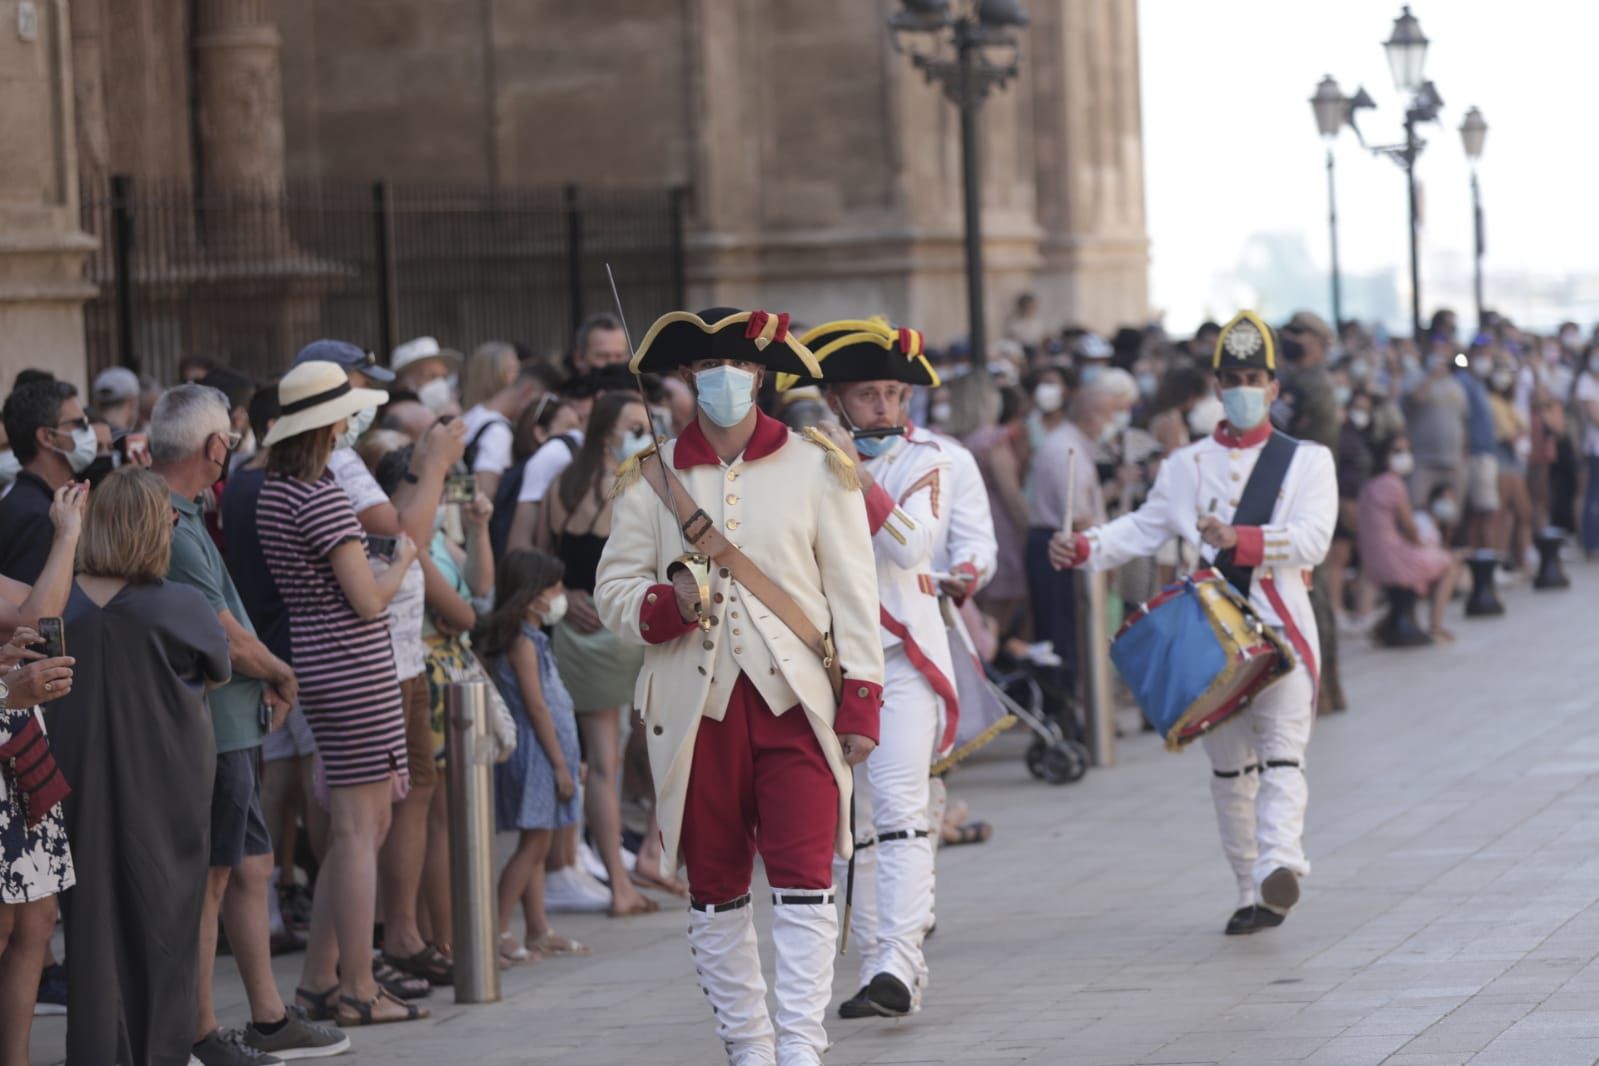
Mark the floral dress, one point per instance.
(34, 863)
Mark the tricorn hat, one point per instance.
(679, 338)
(1246, 343)
(867, 350)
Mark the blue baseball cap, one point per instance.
(347, 356)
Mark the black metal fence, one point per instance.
(247, 277)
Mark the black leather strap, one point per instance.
(1282, 764)
(903, 834)
(794, 898)
(1250, 769)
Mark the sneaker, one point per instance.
(570, 891)
(226, 1047)
(588, 860)
(52, 999)
(299, 1038)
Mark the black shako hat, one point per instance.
(679, 338)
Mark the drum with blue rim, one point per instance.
(1196, 655)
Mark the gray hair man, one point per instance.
(191, 438)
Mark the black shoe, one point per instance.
(888, 996)
(1247, 920)
(1280, 890)
(857, 1006)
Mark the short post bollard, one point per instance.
(471, 795)
(1093, 656)
(1484, 599)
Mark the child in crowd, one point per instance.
(536, 791)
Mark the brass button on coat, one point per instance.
(863, 692)
(709, 645)
(732, 500)
(659, 730)
(732, 523)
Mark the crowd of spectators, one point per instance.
(272, 584)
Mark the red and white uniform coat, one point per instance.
(908, 511)
(1257, 758)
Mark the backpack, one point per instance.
(505, 498)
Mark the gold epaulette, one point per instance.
(842, 466)
(630, 471)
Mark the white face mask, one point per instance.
(85, 446)
(632, 444)
(436, 395)
(1402, 463)
(556, 610)
(9, 467)
(1360, 418)
(1204, 415)
(356, 425)
(1049, 396)
(940, 413)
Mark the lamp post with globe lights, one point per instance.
(968, 54)
(1473, 131)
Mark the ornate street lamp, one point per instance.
(1407, 61)
(967, 55)
(1473, 131)
(1330, 110)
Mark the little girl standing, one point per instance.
(536, 789)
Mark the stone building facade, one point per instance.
(823, 172)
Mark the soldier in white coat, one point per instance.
(1258, 756)
(869, 369)
(750, 749)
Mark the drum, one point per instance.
(1196, 655)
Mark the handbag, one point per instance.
(31, 770)
(502, 727)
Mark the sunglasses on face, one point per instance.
(70, 424)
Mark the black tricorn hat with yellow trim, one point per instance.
(679, 338)
(866, 350)
(1246, 343)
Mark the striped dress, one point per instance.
(344, 663)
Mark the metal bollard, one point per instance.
(471, 795)
(1094, 669)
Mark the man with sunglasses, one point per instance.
(191, 439)
(52, 439)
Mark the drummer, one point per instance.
(1290, 493)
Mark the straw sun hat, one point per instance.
(316, 394)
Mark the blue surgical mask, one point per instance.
(726, 394)
(872, 447)
(1245, 407)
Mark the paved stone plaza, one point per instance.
(1453, 913)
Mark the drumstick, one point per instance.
(1071, 490)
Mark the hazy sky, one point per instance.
(1231, 152)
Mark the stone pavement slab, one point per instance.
(1452, 914)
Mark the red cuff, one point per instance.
(879, 505)
(1251, 547)
(969, 569)
(858, 709)
(658, 619)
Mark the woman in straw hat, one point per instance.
(317, 553)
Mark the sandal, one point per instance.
(971, 833)
(646, 905)
(429, 964)
(551, 943)
(363, 1010)
(397, 984)
(512, 953)
(315, 1004)
(647, 880)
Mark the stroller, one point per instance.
(1006, 689)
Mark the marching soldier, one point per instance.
(869, 368)
(763, 671)
(1261, 508)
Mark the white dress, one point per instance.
(34, 863)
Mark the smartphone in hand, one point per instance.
(54, 634)
(460, 488)
(382, 546)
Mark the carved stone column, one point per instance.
(237, 52)
(42, 247)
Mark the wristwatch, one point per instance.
(5, 692)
